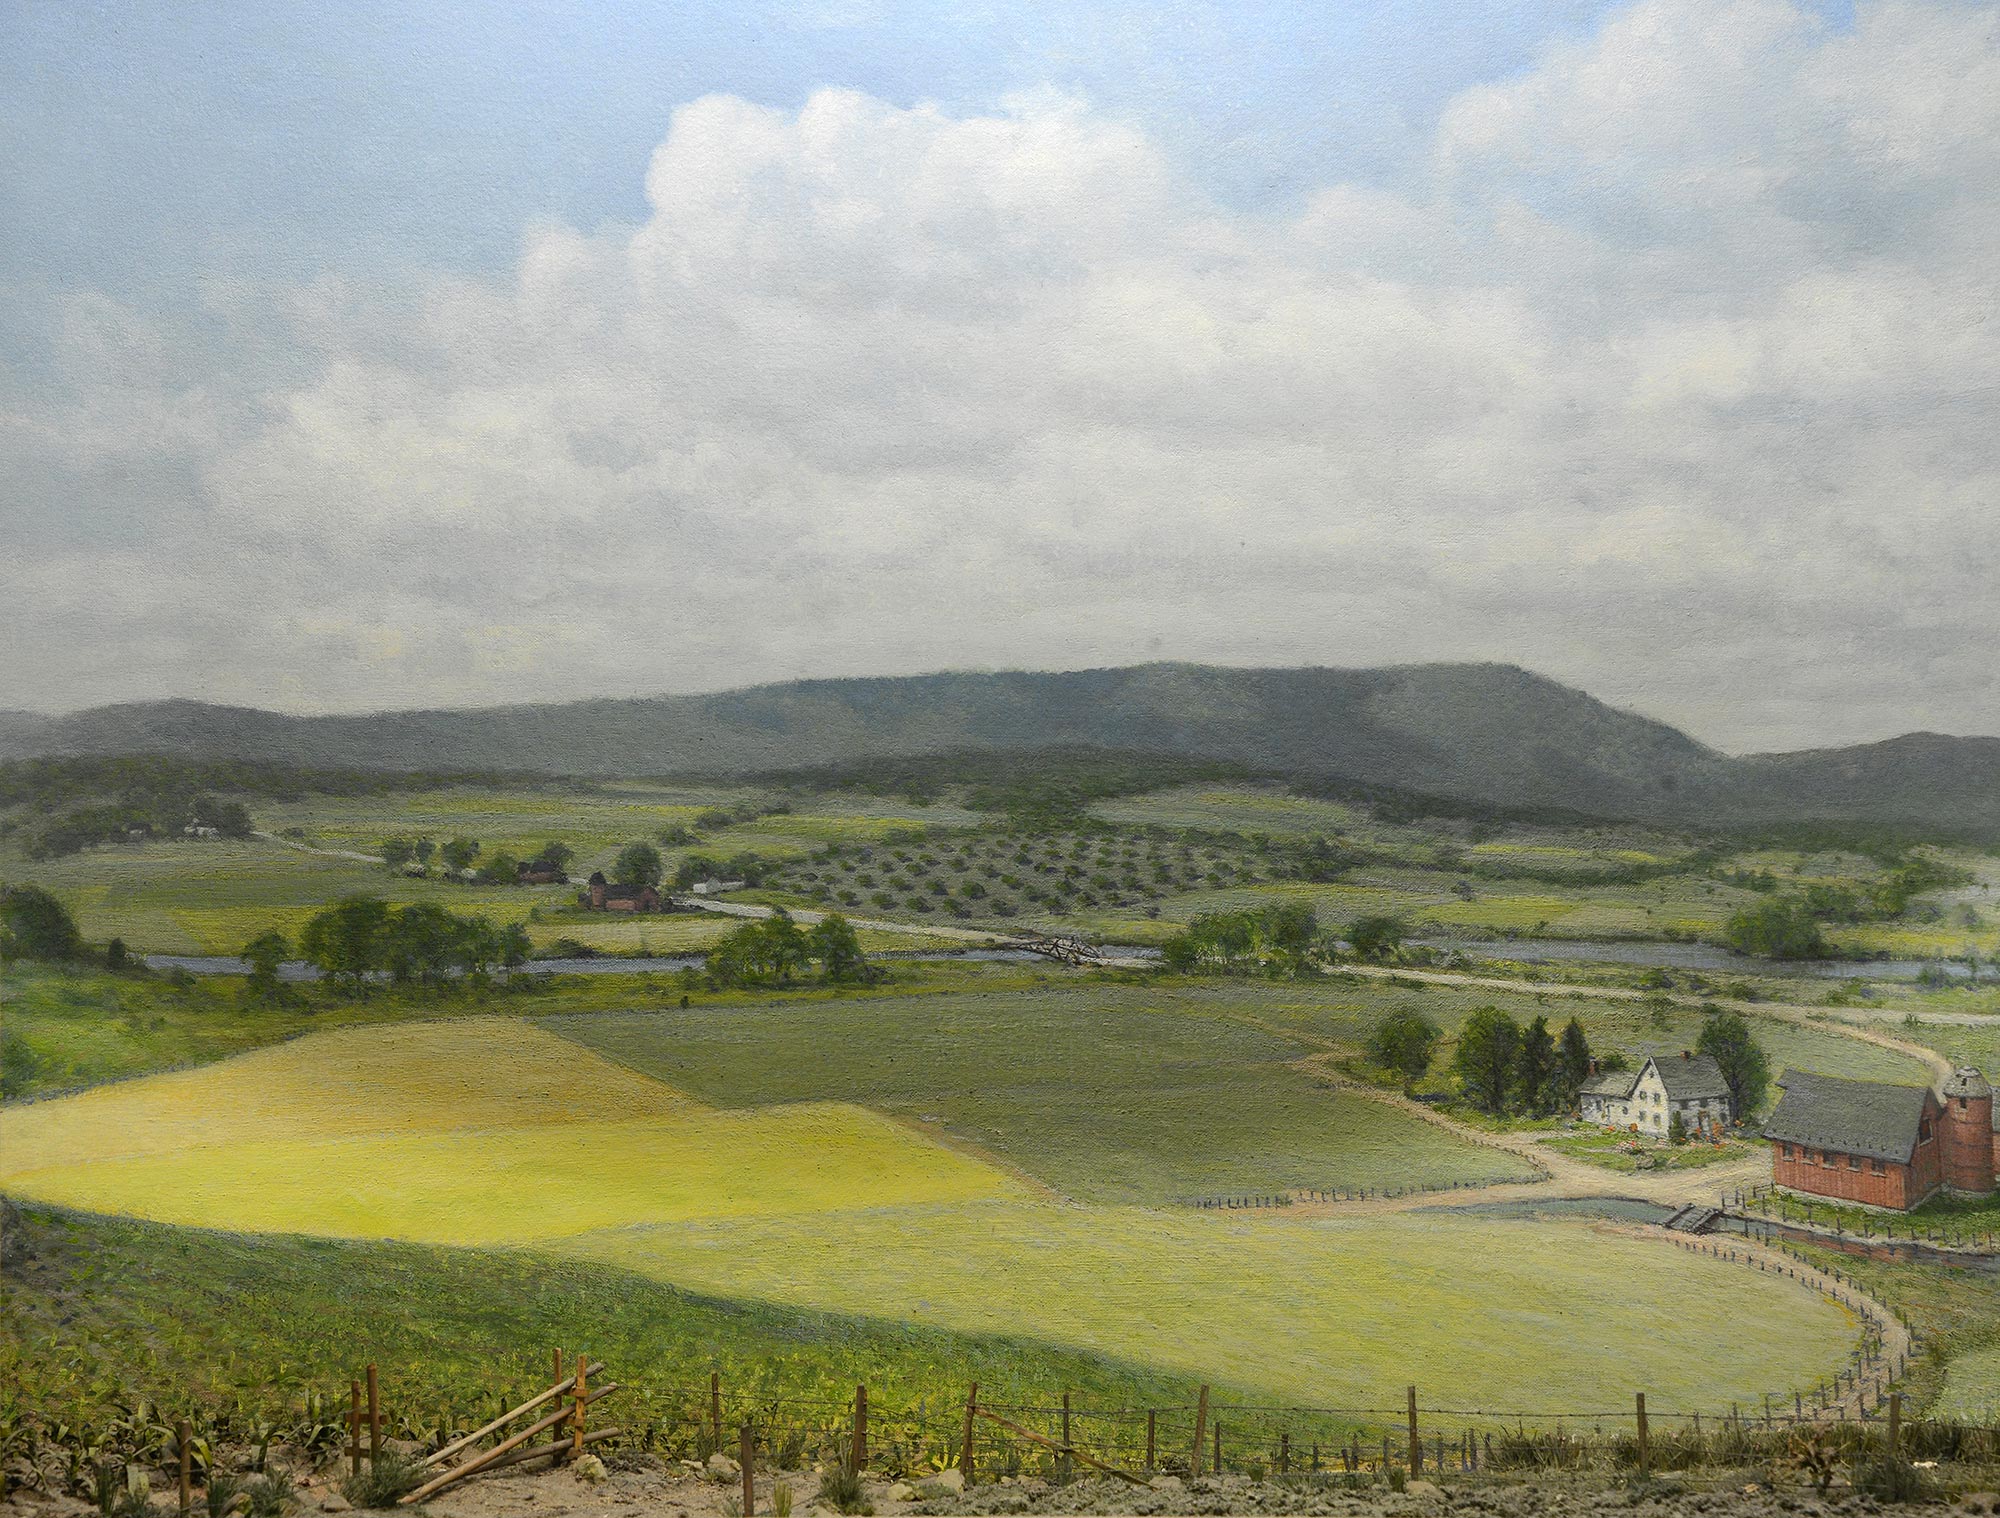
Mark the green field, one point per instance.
(1108, 1093)
(1338, 1314)
(489, 1130)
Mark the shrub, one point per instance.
(383, 1482)
(841, 1490)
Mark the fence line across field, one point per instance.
(1124, 1442)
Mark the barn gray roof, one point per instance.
(1870, 1118)
(1691, 1077)
(1611, 1083)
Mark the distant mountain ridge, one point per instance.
(1481, 732)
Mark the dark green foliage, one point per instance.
(345, 941)
(1572, 1064)
(264, 954)
(1489, 1041)
(35, 925)
(1780, 929)
(398, 852)
(841, 1490)
(1745, 1067)
(1403, 1043)
(833, 943)
(638, 865)
(764, 953)
(1376, 937)
(1537, 1074)
(556, 855)
(458, 854)
(1282, 937)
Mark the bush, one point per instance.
(841, 1490)
(383, 1481)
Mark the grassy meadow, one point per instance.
(492, 1131)
(1108, 1093)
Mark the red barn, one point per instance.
(1882, 1145)
(602, 896)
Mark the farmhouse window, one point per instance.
(1924, 1131)
(1879, 1167)
(1854, 1162)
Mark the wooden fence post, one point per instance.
(1645, 1450)
(965, 1449)
(1200, 1431)
(1416, 1439)
(582, 1397)
(374, 1422)
(715, 1406)
(1152, 1437)
(1065, 1466)
(1284, 1454)
(1895, 1424)
(860, 1451)
(749, 1473)
(556, 1433)
(183, 1435)
(354, 1426)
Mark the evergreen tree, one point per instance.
(1536, 1071)
(1488, 1042)
(1572, 1063)
(1745, 1068)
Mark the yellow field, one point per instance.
(489, 1131)
(478, 1131)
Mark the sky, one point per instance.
(387, 355)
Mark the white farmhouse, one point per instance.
(1647, 1099)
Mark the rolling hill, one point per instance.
(1489, 733)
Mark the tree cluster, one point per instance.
(422, 944)
(35, 925)
(1281, 939)
(777, 952)
(1506, 1069)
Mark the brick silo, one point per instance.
(1968, 1132)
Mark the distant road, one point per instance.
(306, 848)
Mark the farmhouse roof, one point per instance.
(1870, 1118)
(1691, 1077)
(1611, 1083)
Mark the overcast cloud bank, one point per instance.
(1675, 376)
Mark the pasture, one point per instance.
(490, 1131)
(1108, 1093)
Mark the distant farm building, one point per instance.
(1648, 1099)
(602, 896)
(539, 872)
(1883, 1145)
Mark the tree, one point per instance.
(834, 944)
(423, 848)
(1488, 1042)
(1403, 1043)
(265, 954)
(35, 925)
(345, 940)
(1677, 1128)
(398, 852)
(1376, 937)
(1781, 929)
(500, 869)
(638, 865)
(1572, 1063)
(556, 855)
(515, 946)
(1536, 1071)
(1725, 1036)
(419, 943)
(458, 855)
(115, 956)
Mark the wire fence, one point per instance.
(1978, 1234)
(1066, 1438)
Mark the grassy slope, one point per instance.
(1110, 1093)
(475, 1131)
(1338, 1314)
(107, 1310)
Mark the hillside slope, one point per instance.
(1485, 732)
